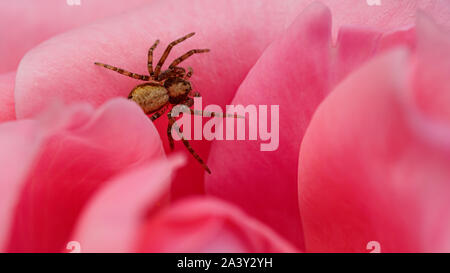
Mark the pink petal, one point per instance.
(81, 151)
(24, 23)
(209, 225)
(404, 37)
(19, 143)
(355, 45)
(430, 77)
(7, 111)
(374, 164)
(388, 16)
(343, 200)
(111, 220)
(294, 74)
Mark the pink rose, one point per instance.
(372, 162)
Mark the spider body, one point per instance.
(170, 87)
(151, 97)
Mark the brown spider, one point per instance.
(170, 87)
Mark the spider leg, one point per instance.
(189, 73)
(172, 73)
(169, 131)
(150, 58)
(188, 102)
(124, 72)
(167, 51)
(172, 122)
(159, 113)
(186, 55)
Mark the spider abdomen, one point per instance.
(149, 96)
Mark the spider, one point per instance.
(166, 89)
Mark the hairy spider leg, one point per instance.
(124, 72)
(150, 58)
(172, 73)
(167, 51)
(188, 102)
(169, 131)
(159, 113)
(186, 55)
(189, 73)
(172, 122)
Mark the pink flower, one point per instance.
(98, 174)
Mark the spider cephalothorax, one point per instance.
(161, 90)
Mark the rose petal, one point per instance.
(81, 151)
(372, 166)
(24, 23)
(341, 205)
(404, 37)
(430, 77)
(355, 45)
(19, 143)
(294, 74)
(209, 225)
(112, 219)
(388, 16)
(7, 111)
